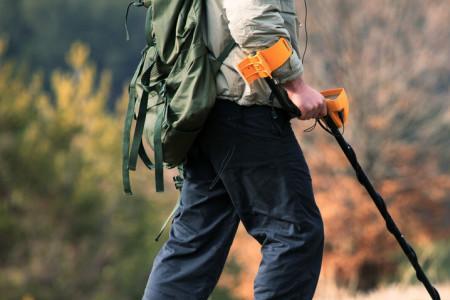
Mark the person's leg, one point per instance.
(270, 185)
(290, 230)
(189, 264)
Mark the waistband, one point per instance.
(226, 109)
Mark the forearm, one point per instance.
(295, 84)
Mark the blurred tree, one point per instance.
(391, 58)
(41, 32)
(66, 231)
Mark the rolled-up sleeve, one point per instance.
(259, 24)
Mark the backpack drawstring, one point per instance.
(223, 165)
(135, 4)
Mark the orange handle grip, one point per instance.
(337, 105)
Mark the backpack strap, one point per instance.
(144, 157)
(137, 139)
(127, 129)
(129, 159)
(218, 61)
(226, 51)
(158, 149)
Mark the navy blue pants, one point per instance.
(245, 165)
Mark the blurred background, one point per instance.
(68, 232)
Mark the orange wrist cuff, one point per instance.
(264, 62)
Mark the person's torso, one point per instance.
(230, 84)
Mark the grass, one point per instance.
(394, 292)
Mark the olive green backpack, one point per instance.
(173, 88)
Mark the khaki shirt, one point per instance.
(254, 25)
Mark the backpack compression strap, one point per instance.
(129, 159)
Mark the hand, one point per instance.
(310, 102)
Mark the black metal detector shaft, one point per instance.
(283, 99)
(381, 205)
(364, 180)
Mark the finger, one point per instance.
(309, 114)
(314, 115)
(304, 111)
(317, 112)
(305, 116)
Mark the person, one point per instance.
(246, 165)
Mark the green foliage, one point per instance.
(66, 230)
(436, 263)
(41, 32)
(220, 294)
